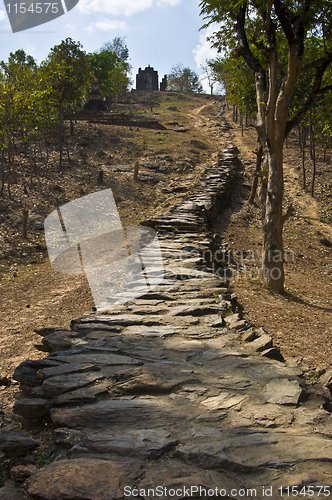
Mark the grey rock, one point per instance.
(120, 413)
(64, 368)
(15, 444)
(67, 437)
(273, 353)
(61, 341)
(32, 408)
(46, 330)
(152, 332)
(102, 479)
(97, 358)
(197, 310)
(224, 401)
(54, 386)
(261, 343)
(26, 372)
(326, 380)
(141, 443)
(120, 319)
(249, 335)
(83, 395)
(283, 391)
(11, 492)
(240, 325)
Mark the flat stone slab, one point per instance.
(224, 401)
(121, 413)
(54, 386)
(249, 450)
(63, 368)
(83, 395)
(152, 332)
(197, 310)
(117, 319)
(261, 343)
(283, 391)
(82, 478)
(97, 358)
(15, 444)
(142, 443)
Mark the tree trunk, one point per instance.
(12, 162)
(60, 139)
(2, 172)
(46, 150)
(304, 142)
(272, 219)
(25, 223)
(258, 169)
(136, 170)
(30, 159)
(9, 172)
(299, 137)
(313, 160)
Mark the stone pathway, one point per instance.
(173, 395)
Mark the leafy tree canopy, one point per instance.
(287, 47)
(182, 79)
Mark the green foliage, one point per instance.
(110, 67)
(67, 73)
(119, 47)
(110, 71)
(267, 35)
(182, 79)
(235, 76)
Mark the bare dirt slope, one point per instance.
(33, 295)
(299, 321)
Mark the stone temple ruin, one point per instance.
(147, 80)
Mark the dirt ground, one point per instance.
(33, 295)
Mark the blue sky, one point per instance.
(161, 33)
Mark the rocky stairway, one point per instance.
(174, 394)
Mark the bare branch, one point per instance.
(315, 91)
(304, 11)
(325, 90)
(244, 48)
(284, 17)
(317, 62)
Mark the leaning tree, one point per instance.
(281, 41)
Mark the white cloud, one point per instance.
(122, 7)
(166, 3)
(107, 26)
(2, 15)
(203, 50)
(111, 25)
